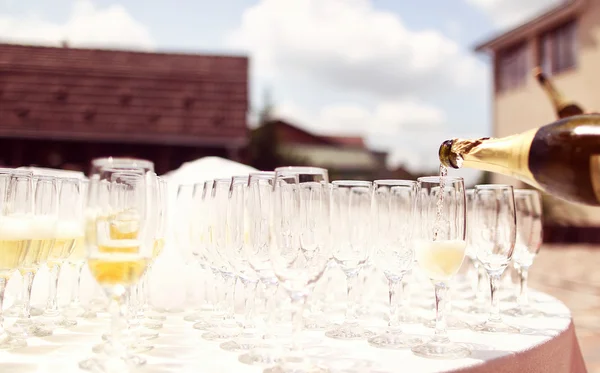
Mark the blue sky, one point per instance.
(399, 72)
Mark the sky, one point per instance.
(401, 73)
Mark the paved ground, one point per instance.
(572, 274)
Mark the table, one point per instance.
(180, 348)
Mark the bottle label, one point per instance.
(595, 174)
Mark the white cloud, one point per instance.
(350, 45)
(386, 118)
(86, 26)
(507, 13)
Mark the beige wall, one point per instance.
(528, 107)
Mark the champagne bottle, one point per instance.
(562, 107)
(561, 158)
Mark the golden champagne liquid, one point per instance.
(562, 158)
(67, 232)
(117, 269)
(159, 245)
(124, 229)
(12, 255)
(78, 254)
(38, 252)
(40, 231)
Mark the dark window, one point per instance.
(513, 67)
(558, 49)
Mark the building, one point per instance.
(62, 107)
(564, 42)
(345, 157)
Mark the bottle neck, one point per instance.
(507, 155)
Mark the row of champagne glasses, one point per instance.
(41, 224)
(283, 229)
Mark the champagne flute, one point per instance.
(69, 229)
(15, 222)
(302, 248)
(478, 305)
(98, 303)
(351, 224)
(260, 238)
(528, 204)
(43, 226)
(440, 251)
(76, 261)
(221, 236)
(120, 252)
(394, 215)
(495, 220)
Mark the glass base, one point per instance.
(204, 325)
(395, 340)
(349, 331)
(152, 324)
(476, 309)
(259, 356)
(524, 311)
(452, 323)
(296, 365)
(215, 335)
(138, 347)
(408, 318)
(8, 342)
(65, 323)
(30, 328)
(195, 316)
(441, 350)
(238, 345)
(112, 365)
(496, 327)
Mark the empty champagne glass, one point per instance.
(260, 239)
(302, 249)
(528, 205)
(479, 304)
(351, 229)
(394, 219)
(495, 222)
(440, 251)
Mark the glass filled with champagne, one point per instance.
(16, 189)
(440, 250)
(121, 248)
(41, 230)
(69, 229)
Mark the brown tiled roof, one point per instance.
(562, 12)
(351, 141)
(111, 95)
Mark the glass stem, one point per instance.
(523, 289)
(441, 335)
(270, 292)
(145, 290)
(480, 289)
(117, 307)
(25, 316)
(229, 292)
(52, 305)
(396, 291)
(352, 280)
(495, 309)
(3, 282)
(75, 300)
(217, 290)
(249, 297)
(405, 293)
(298, 303)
